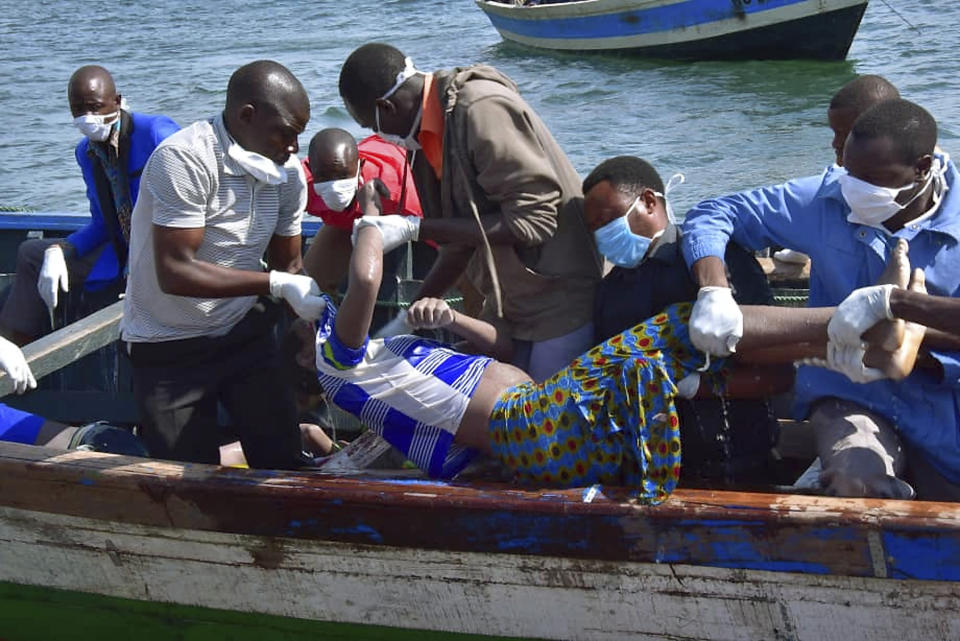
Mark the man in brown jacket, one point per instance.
(499, 196)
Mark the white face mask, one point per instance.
(338, 194)
(675, 181)
(97, 127)
(410, 140)
(260, 167)
(872, 204)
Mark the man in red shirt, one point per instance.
(335, 168)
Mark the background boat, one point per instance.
(685, 29)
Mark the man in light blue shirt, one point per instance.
(893, 185)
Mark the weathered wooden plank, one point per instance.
(66, 345)
(480, 593)
(802, 534)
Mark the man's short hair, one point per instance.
(263, 82)
(863, 92)
(627, 174)
(369, 72)
(911, 128)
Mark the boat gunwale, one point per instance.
(107, 470)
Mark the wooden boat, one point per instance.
(95, 545)
(683, 29)
(198, 551)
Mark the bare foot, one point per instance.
(899, 363)
(889, 334)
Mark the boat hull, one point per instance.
(686, 29)
(485, 559)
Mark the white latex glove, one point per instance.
(429, 313)
(848, 360)
(860, 311)
(397, 327)
(716, 322)
(301, 292)
(396, 230)
(15, 365)
(53, 276)
(791, 256)
(688, 385)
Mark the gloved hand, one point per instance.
(860, 311)
(301, 292)
(15, 365)
(848, 360)
(395, 230)
(716, 322)
(688, 386)
(429, 313)
(396, 327)
(53, 276)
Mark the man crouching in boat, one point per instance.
(218, 197)
(609, 417)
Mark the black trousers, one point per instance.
(178, 384)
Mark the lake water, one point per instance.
(726, 125)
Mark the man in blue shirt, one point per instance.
(112, 154)
(893, 185)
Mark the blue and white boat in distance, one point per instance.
(683, 29)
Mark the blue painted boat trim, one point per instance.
(682, 15)
(68, 222)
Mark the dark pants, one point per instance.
(178, 384)
(25, 312)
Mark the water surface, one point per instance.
(727, 125)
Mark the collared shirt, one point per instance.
(190, 182)
(722, 439)
(379, 159)
(411, 391)
(431, 126)
(810, 215)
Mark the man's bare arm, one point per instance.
(283, 254)
(181, 273)
(936, 312)
(710, 271)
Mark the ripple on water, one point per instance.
(727, 125)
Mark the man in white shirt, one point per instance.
(218, 197)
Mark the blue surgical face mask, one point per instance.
(617, 242)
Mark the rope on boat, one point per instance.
(16, 209)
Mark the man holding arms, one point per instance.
(893, 186)
(112, 155)
(499, 196)
(219, 196)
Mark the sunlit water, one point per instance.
(725, 125)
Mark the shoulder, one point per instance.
(188, 150)
(158, 125)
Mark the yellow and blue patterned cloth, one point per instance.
(607, 418)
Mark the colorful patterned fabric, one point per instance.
(607, 418)
(411, 391)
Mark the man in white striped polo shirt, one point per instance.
(218, 197)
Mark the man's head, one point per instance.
(267, 109)
(853, 99)
(378, 86)
(335, 165)
(629, 188)
(890, 149)
(94, 101)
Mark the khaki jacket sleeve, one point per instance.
(513, 168)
